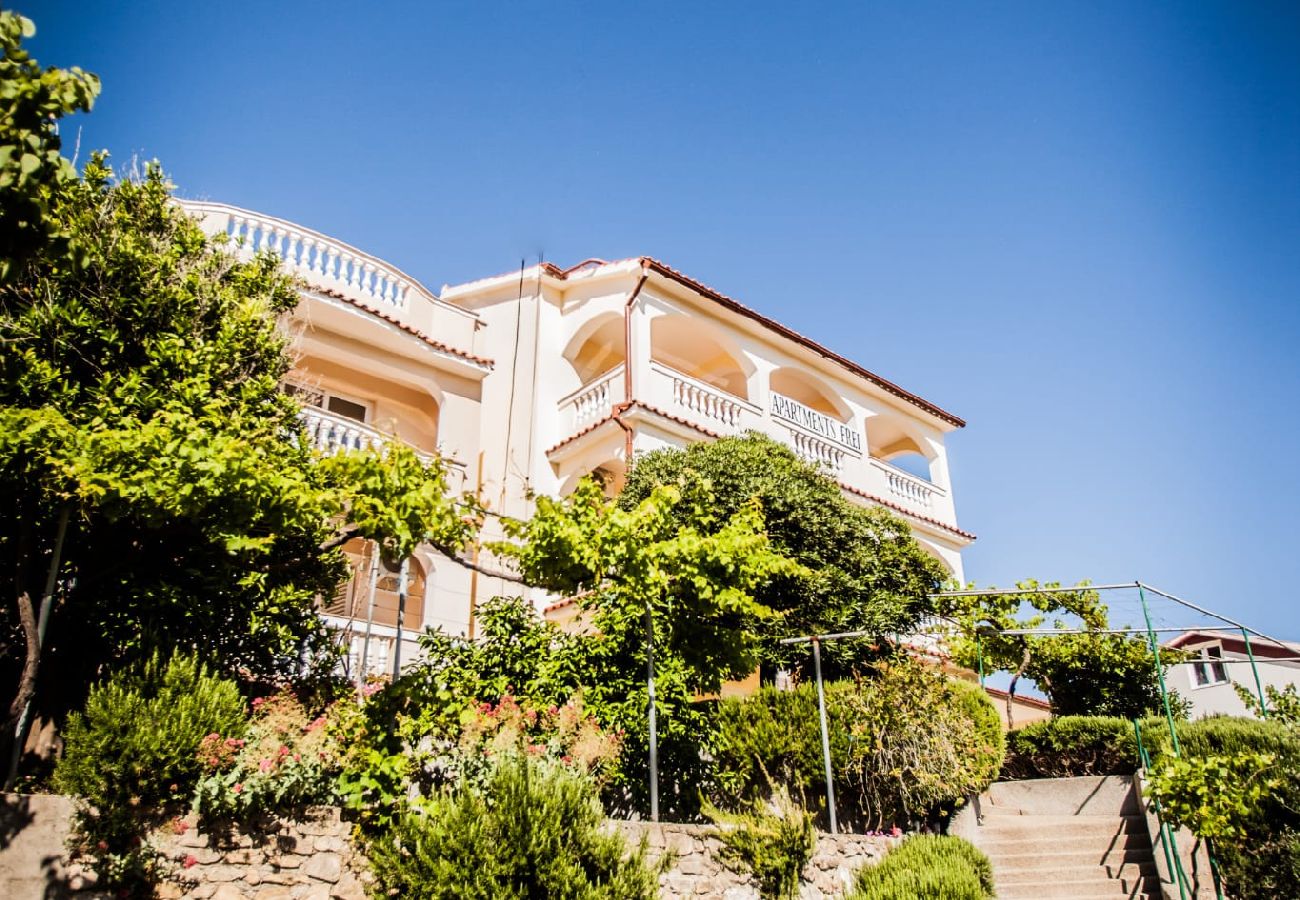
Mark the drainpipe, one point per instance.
(620, 408)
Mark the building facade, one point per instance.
(1219, 660)
(527, 381)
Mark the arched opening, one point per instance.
(812, 393)
(352, 599)
(597, 347)
(690, 346)
(889, 440)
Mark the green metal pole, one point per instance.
(1214, 868)
(979, 652)
(1259, 685)
(1164, 837)
(1160, 671)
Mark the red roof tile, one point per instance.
(903, 509)
(437, 345)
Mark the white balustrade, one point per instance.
(816, 450)
(594, 400)
(905, 487)
(704, 401)
(320, 260)
(332, 433)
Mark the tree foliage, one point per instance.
(153, 470)
(907, 743)
(1092, 673)
(861, 567)
(32, 169)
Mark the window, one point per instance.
(340, 406)
(349, 409)
(1208, 670)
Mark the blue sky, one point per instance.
(1077, 225)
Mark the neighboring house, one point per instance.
(527, 381)
(1218, 660)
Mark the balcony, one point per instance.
(337, 268)
(907, 490)
(593, 401)
(331, 433)
(697, 402)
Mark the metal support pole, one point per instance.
(364, 668)
(653, 719)
(826, 739)
(401, 611)
(1214, 868)
(979, 652)
(1259, 685)
(1160, 671)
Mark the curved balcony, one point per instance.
(330, 265)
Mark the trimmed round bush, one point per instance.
(927, 867)
(1067, 746)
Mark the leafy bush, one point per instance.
(927, 867)
(1066, 746)
(774, 840)
(906, 744)
(132, 753)
(534, 831)
(1237, 782)
(284, 760)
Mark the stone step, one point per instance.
(1059, 859)
(1039, 874)
(1072, 888)
(1098, 844)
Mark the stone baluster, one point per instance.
(368, 279)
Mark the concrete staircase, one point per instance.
(1075, 838)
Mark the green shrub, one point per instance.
(906, 744)
(132, 753)
(773, 840)
(533, 831)
(1066, 746)
(927, 867)
(1218, 780)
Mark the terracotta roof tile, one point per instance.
(903, 509)
(392, 320)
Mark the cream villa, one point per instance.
(529, 380)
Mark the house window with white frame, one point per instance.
(1209, 668)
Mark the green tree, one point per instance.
(862, 570)
(671, 571)
(157, 476)
(1091, 673)
(32, 169)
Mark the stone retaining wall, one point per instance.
(315, 859)
(698, 871)
(311, 859)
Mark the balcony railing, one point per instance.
(330, 265)
(906, 488)
(331, 433)
(816, 450)
(320, 260)
(593, 400)
(710, 406)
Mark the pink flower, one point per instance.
(102, 845)
(553, 710)
(264, 765)
(238, 788)
(895, 831)
(258, 701)
(297, 757)
(213, 737)
(316, 723)
(371, 689)
(190, 861)
(283, 751)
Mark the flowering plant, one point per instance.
(564, 735)
(285, 759)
